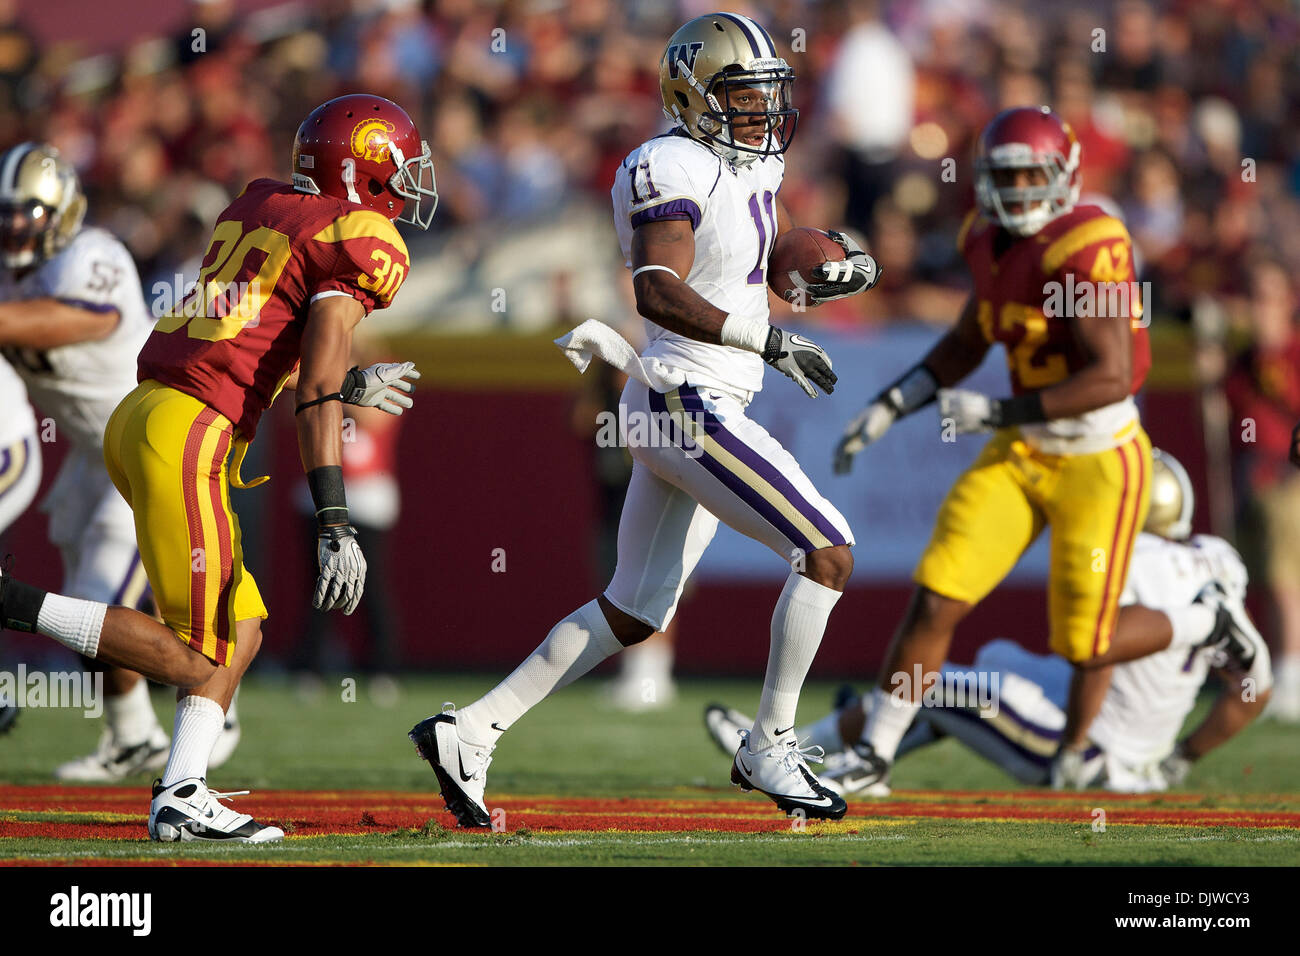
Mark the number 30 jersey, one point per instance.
(237, 336)
(79, 385)
(732, 211)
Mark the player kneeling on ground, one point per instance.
(1195, 587)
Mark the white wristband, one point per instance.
(742, 333)
(653, 268)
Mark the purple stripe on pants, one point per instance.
(126, 581)
(738, 487)
(694, 404)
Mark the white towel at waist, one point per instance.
(595, 338)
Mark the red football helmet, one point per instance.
(365, 149)
(1028, 137)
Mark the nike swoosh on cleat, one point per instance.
(782, 733)
(462, 769)
(742, 766)
(497, 728)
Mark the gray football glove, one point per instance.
(857, 272)
(969, 411)
(801, 359)
(872, 422)
(382, 386)
(342, 575)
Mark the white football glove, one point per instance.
(801, 359)
(383, 386)
(871, 423)
(856, 273)
(968, 411)
(342, 575)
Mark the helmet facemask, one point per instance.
(414, 181)
(1039, 203)
(740, 102)
(25, 227)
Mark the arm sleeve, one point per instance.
(359, 254)
(662, 188)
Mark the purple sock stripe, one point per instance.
(692, 402)
(973, 718)
(738, 487)
(126, 581)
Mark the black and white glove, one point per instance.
(342, 575)
(801, 359)
(1176, 766)
(857, 272)
(975, 412)
(383, 386)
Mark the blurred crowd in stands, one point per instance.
(1188, 112)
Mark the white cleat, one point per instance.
(781, 772)
(847, 772)
(461, 767)
(113, 761)
(188, 811)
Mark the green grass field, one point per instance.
(579, 783)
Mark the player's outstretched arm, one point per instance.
(663, 252)
(1241, 700)
(326, 347)
(48, 323)
(952, 358)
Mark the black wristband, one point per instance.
(335, 397)
(1020, 410)
(326, 484)
(915, 388)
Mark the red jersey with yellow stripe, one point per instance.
(1031, 290)
(234, 340)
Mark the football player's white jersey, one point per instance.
(1149, 698)
(16, 419)
(732, 210)
(80, 385)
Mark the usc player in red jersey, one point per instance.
(290, 271)
(1068, 450)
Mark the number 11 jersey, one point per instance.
(237, 336)
(732, 211)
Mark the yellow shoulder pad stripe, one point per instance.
(362, 224)
(965, 228)
(1101, 229)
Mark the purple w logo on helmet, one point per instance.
(684, 53)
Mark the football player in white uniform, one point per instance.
(20, 471)
(1174, 582)
(697, 213)
(72, 320)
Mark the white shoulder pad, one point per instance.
(669, 177)
(90, 271)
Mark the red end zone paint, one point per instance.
(118, 814)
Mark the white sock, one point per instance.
(1191, 624)
(130, 716)
(198, 725)
(798, 624)
(888, 718)
(72, 622)
(574, 646)
(825, 733)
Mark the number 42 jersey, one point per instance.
(237, 336)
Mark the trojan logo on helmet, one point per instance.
(366, 149)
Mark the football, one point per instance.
(796, 253)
